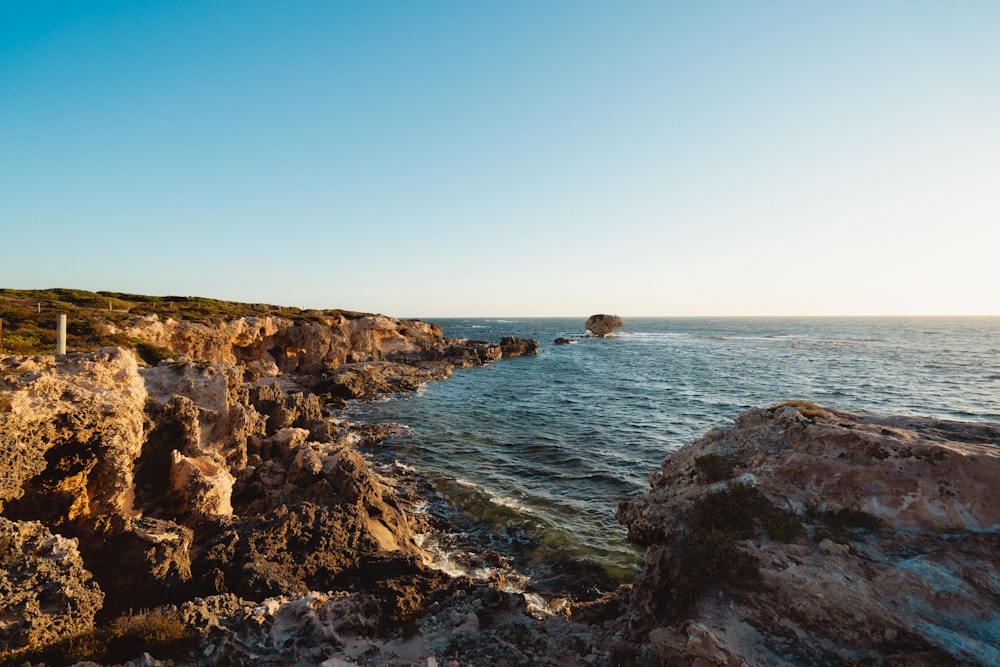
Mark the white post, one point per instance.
(61, 333)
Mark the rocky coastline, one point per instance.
(213, 508)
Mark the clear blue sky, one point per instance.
(507, 158)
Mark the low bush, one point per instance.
(839, 524)
(715, 467)
(159, 632)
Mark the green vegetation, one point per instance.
(28, 318)
(838, 525)
(161, 632)
(739, 510)
(715, 467)
(706, 556)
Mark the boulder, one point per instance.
(72, 428)
(806, 535)
(46, 593)
(518, 347)
(563, 341)
(200, 485)
(603, 325)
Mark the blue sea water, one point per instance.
(528, 458)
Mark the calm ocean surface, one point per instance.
(528, 458)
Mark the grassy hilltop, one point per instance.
(29, 316)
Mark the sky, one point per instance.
(537, 158)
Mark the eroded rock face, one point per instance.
(272, 345)
(360, 380)
(843, 537)
(74, 426)
(45, 591)
(603, 325)
(200, 485)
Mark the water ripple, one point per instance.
(547, 446)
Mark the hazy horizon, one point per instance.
(712, 159)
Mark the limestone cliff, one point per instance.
(271, 345)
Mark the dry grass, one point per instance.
(159, 632)
(29, 317)
(805, 408)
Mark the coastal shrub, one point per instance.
(18, 344)
(706, 556)
(160, 632)
(704, 560)
(739, 510)
(29, 316)
(715, 467)
(838, 524)
(153, 354)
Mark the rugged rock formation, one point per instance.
(212, 477)
(45, 591)
(518, 347)
(220, 489)
(603, 325)
(272, 345)
(71, 428)
(811, 536)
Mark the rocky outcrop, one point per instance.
(46, 592)
(72, 428)
(806, 535)
(603, 325)
(270, 346)
(158, 473)
(374, 378)
(221, 489)
(462, 624)
(518, 347)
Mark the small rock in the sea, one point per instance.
(603, 325)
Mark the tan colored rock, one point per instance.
(201, 485)
(603, 325)
(217, 341)
(72, 432)
(270, 345)
(210, 403)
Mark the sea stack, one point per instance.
(603, 325)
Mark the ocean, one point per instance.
(524, 461)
